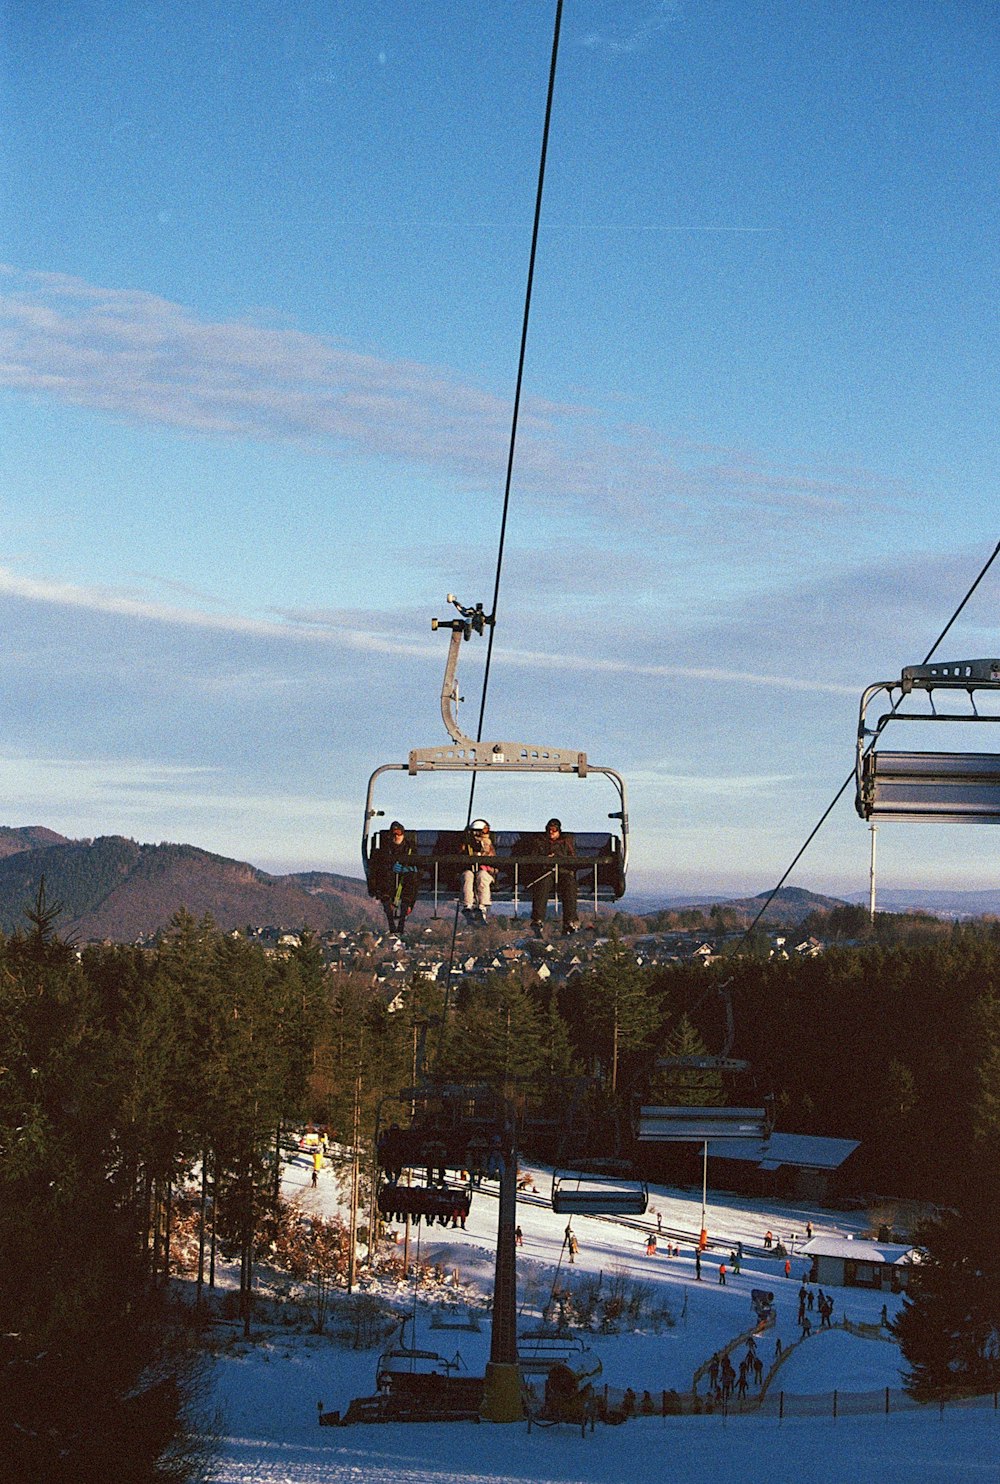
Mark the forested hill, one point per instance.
(12, 841)
(789, 905)
(116, 888)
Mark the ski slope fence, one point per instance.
(614, 1404)
(772, 1401)
(887, 1400)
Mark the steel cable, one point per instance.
(510, 456)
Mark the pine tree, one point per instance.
(949, 1325)
(613, 1008)
(682, 1086)
(499, 1036)
(81, 1331)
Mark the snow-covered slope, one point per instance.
(268, 1390)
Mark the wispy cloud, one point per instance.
(671, 672)
(348, 631)
(137, 356)
(636, 26)
(726, 784)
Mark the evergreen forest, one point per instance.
(137, 1084)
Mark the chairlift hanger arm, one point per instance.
(474, 620)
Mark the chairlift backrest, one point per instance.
(440, 857)
(539, 1350)
(940, 787)
(696, 1125)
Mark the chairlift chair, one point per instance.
(702, 1121)
(438, 855)
(580, 1192)
(935, 787)
(453, 1128)
(594, 1174)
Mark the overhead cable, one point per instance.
(513, 439)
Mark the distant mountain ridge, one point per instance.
(115, 888)
(791, 904)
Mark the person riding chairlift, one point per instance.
(559, 847)
(477, 879)
(396, 877)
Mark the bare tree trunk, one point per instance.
(246, 1264)
(215, 1218)
(202, 1205)
(157, 1232)
(168, 1211)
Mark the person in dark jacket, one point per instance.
(560, 848)
(395, 878)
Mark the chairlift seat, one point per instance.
(696, 1125)
(935, 787)
(440, 860)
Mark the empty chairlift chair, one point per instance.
(935, 787)
(707, 1117)
(598, 1191)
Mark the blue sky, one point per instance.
(260, 311)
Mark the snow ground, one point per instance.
(268, 1389)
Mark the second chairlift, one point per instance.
(935, 787)
(592, 1176)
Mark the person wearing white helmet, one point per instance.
(477, 879)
